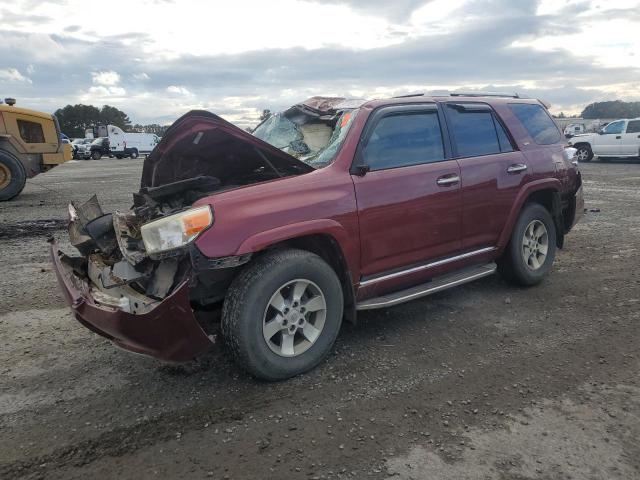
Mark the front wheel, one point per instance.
(282, 314)
(584, 153)
(96, 155)
(532, 249)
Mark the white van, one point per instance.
(125, 144)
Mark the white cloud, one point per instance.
(179, 90)
(141, 76)
(13, 75)
(104, 91)
(107, 78)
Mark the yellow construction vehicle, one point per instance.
(30, 143)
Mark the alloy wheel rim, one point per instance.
(535, 244)
(294, 318)
(582, 154)
(5, 176)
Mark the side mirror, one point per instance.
(601, 131)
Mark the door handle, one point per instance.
(618, 137)
(447, 180)
(517, 168)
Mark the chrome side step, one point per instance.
(436, 285)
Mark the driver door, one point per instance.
(408, 193)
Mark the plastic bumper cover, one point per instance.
(169, 331)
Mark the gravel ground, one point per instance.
(484, 381)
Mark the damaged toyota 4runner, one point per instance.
(330, 207)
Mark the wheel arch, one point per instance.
(325, 238)
(545, 192)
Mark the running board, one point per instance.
(436, 285)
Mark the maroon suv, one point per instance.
(330, 207)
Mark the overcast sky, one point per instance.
(156, 59)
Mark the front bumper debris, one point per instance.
(166, 329)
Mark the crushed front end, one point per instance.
(140, 300)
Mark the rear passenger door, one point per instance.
(407, 189)
(631, 139)
(492, 171)
(609, 141)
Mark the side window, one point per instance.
(614, 128)
(31, 132)
(537, 122)
(633, 126)
(404, 139)
(474, 131)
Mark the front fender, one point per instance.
(532, 187)
(262, 240)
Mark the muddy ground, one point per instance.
(484, 381)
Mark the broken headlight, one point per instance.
(175, 231)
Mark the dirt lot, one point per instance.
(485, 381)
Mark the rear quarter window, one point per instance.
(537, 122)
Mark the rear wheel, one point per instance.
(532, 248)
(12, 176)
(282, 314)
(134, 154)
(584, 153)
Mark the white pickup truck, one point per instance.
(620, 138)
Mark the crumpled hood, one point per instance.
(201, 143)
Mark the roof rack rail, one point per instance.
(484, 94)
(409, 95)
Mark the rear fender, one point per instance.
(530, 188)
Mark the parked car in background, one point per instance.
(30, 143)
(574, 129)
(82, 148)
(620, 138)
(331, 207)
(99, 147)
(125, 144)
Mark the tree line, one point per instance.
(74, 120)
(613, 109)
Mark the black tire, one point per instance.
(512, 265)
(96, 155)
(119, 157)
(134, 154)
(584, 151)
(246, 305)
(13, 176)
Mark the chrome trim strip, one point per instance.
(427, 291)
(427, 266)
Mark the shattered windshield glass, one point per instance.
(314, 141)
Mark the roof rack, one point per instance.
(446, 93)
(484, 94)
(409, 95)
